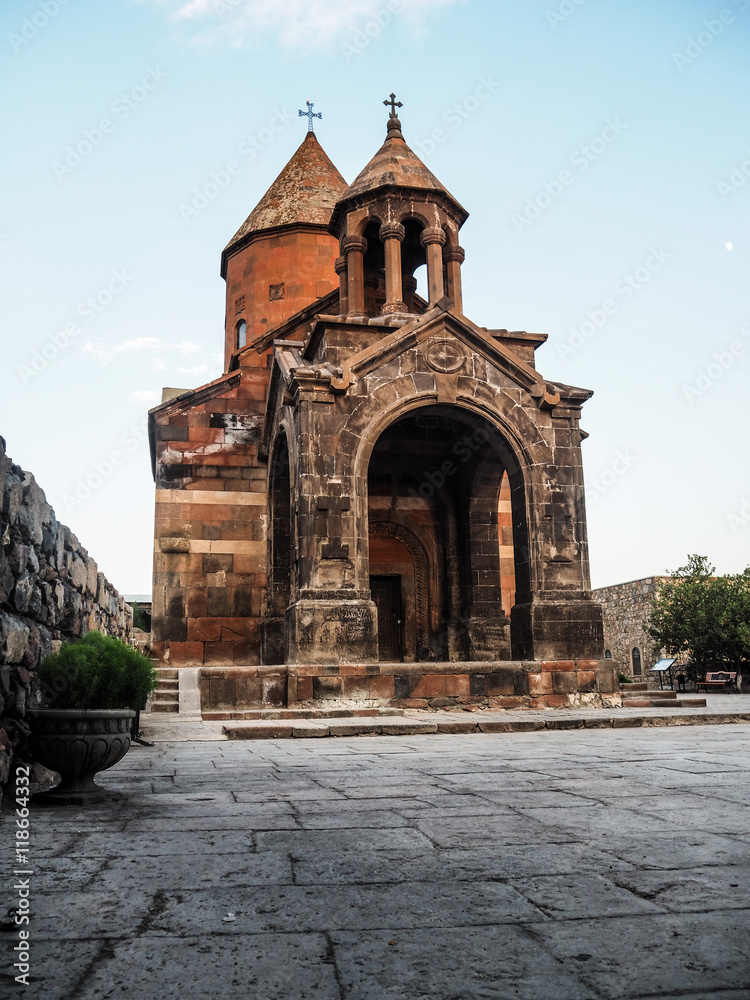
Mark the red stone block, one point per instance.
(185, 654)
(513, 701)
(429, 686)
(410, 703)
(195, 603)
(218, 652)
(586, 681)
(356, 688)
(556, 700)
(457, 686)
(204, 629)
(382, 688)
(304, 689)
(558, 665)
(540, 683)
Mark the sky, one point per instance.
(602, 149)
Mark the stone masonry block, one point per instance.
(564, 682)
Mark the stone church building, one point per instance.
(378, 501)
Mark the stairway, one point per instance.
(637, 695)
(166, 696)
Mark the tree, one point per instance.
(703, 616)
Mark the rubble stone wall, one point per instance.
(50, 590)
(625, 611)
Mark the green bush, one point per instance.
(141, 618)
(97, 671)
(624, 679)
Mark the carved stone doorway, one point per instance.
(386, 593)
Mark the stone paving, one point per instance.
(534, 866)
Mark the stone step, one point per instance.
(268, 729)
(635, 686)
(165, 706)
(642, 692)
(289, 714)
(663, 699)
(164, 687)
(166, 673)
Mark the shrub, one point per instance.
(624, 679)
(141, 618)
(97, 671)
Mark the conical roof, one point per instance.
(395, 165)
(305, 191)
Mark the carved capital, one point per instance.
(392, 231)
(354, 244)
(432, 235)
(340, 265)
(454, 253)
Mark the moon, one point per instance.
(729, 246)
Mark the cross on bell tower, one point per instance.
(310, 114)
(393, 104)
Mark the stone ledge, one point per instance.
(258, 730)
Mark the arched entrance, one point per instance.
(447, 534)
(279, 553)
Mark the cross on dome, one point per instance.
(310, 114)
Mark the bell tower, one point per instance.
(395, 217)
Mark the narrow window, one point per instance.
(241, 334)
(636, 662)
(607, 654)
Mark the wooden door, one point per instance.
(386, 593)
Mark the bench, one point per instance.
(718, 679)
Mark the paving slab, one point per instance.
(578, 863)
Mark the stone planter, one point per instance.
(77, 744)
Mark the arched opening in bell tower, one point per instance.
(447, 531)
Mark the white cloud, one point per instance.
(106, 356)
(195, 370)
(141, 345)
(309, 24)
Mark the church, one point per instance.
(379, 501)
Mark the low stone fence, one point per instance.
(50, 589)
(227, 692)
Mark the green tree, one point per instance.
(703, 616)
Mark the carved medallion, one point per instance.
(445, 356)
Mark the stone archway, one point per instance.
(435, 474)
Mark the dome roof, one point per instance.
(395, 165)
(305, 191)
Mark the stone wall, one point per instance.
(625, 610)
(240, 692)
(50, 589)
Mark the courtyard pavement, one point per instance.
(533, 866)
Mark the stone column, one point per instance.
(341, 269)
(354, 249)
(433, 240)
(392, 234)
(454, 258)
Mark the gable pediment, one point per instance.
(444, 340)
